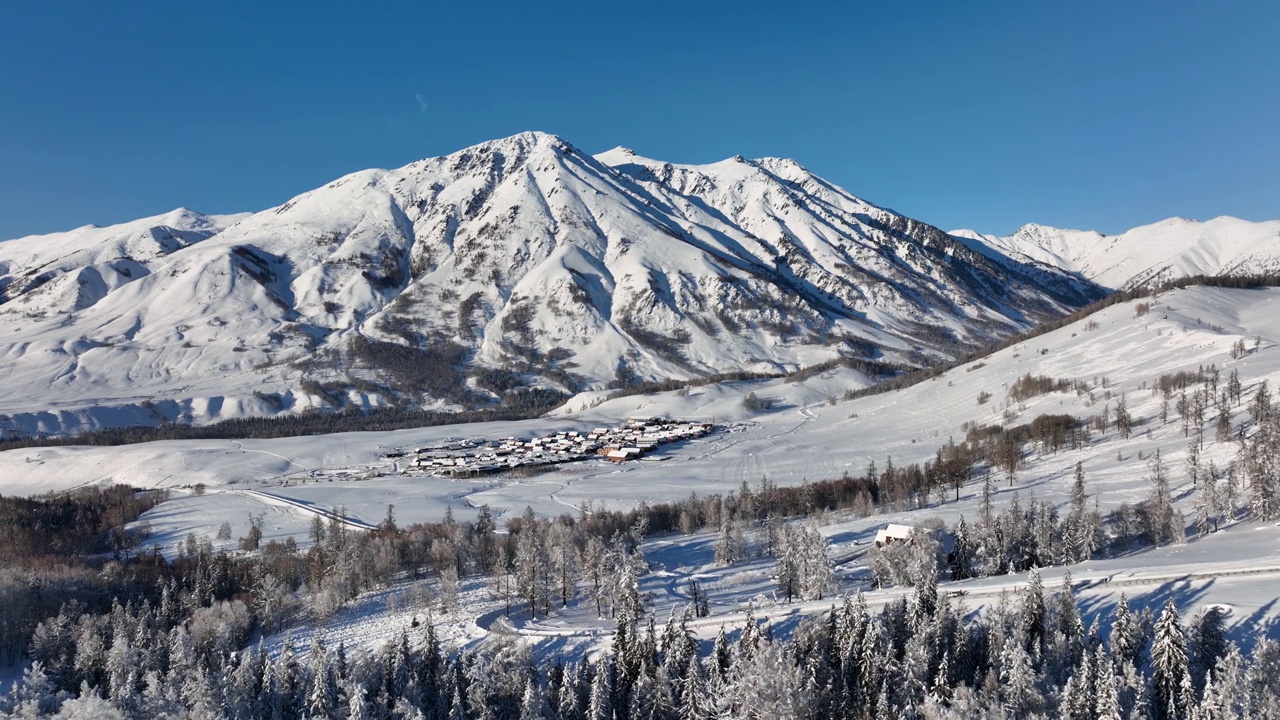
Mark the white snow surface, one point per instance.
(525, 252)
(806, 436)
(1145, 255)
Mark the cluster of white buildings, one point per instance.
(630, 441)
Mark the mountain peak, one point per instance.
(522, 143)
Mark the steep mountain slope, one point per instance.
(457, 281)
(65, 272)
(1145, 255)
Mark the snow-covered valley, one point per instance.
(811, 433)
(525, 264)
(1126, 457)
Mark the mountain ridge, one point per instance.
(516, 265)
(1147, 254)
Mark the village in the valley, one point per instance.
(632, 440)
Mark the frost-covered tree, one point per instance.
(1260, 460)
(532, 564)
(1034, 614)
(566, 561)
(1106, 702)
(804, 568)
(1160, 518)
(1207, 504)
(1019, 692)
(1083, 526)
(1128, 637)
(961, 560)
(1170, 672)
(600, 706)
(1124, 421)
(628, 567)
(1262, 680)
(1206, 643)
(731, 544)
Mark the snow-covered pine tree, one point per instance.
(730, 544)
(960, 562)
(566, 561)
(1170, 674)
(1262, 680)
(1124, 421)
(531, 563)
(787, 576)
(1127, 634)
(1082, 524)
(1259, 457)
(694, 703)
(1160, 519)
(600, 706)
(1070, 633)
(1019, 691)
(816, 573)
(532, 703)
(1206, 643)
(1034, 615)
(924, 600)
(1106, 702)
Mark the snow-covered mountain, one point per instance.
(458, 280)
(1145, 255)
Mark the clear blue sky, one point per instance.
(1083, 114)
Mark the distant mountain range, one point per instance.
(1145, 255)
(471, 279)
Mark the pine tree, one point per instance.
(122, 671)
(1210, 707)
(1262, 679)
(532, 705)
(960, 561)
(600, 706)
(694, 704)
(815, 563)
(924, 602)
(749, 640)
(1260, 460)
(940, 692)
(1170, 677)
(1207, 504)
(531, 563)
(1070, 630)
(322, 700)
(1018, 680)
(1076, 701)
(1207, 642)
(566, 561)
(1124, 422)
(1127, 636)
(788, 572)
(1230, 682)
(1106, 704)
(986, 513)
(1161, 519)
(1034, 621)
(729, 547)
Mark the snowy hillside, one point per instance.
(62, 273)
(1145, 255)
(810, 434)
(805, 436)
(460, 280)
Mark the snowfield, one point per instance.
(526, 263)
(810, 433)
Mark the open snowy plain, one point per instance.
(811, 433)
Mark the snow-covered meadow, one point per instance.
(811, 433)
